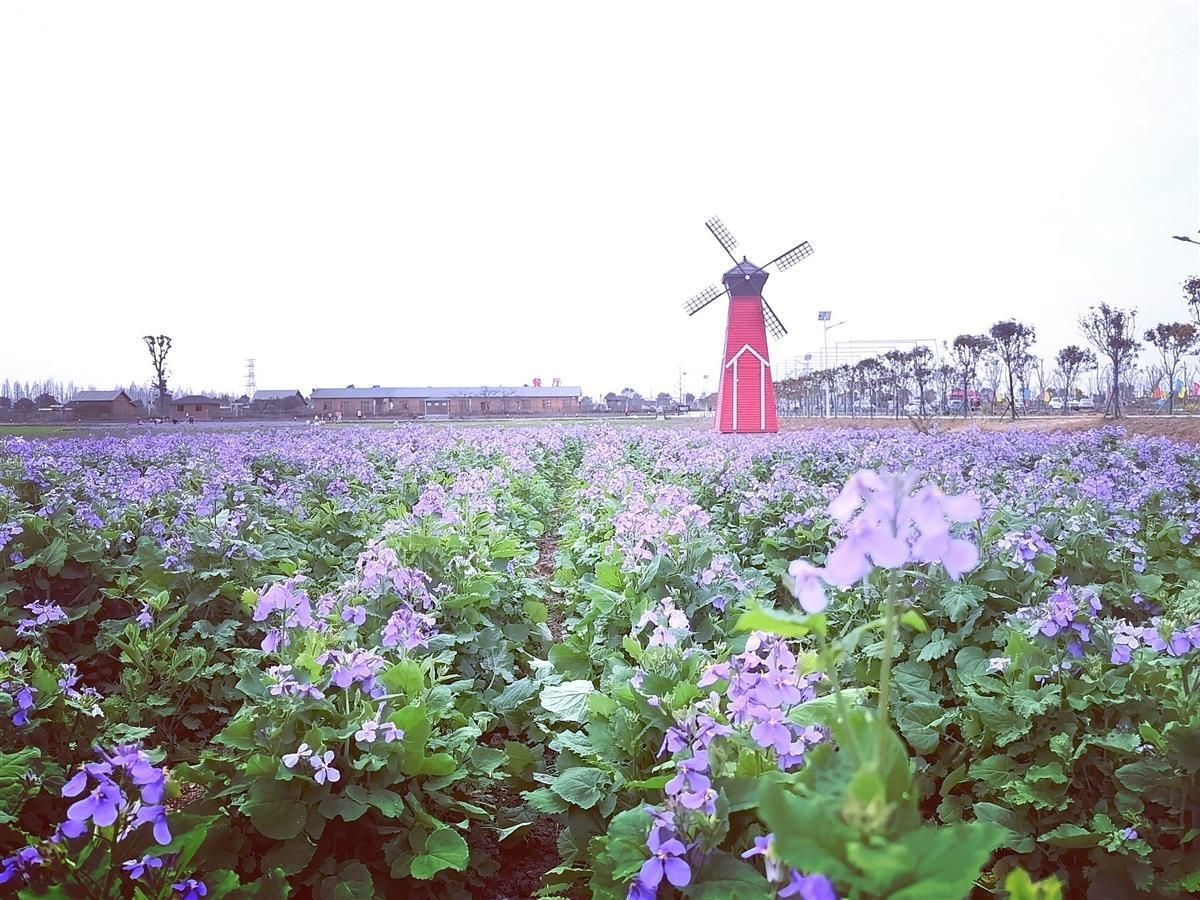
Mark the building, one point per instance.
(445, 402)
(200, 408)
(102, 405)
(275, 403)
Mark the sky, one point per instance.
(480, 193)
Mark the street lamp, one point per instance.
(1180, 237)
(825, 315)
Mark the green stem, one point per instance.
(885, 666)
(831, 670)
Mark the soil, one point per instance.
(547, 548)
(188, 794)
(524, 859)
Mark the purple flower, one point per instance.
(808, 887)
(156, 816)
(190, 889)
(690, 785)
(44, 613)
(19, 864)
(25, 703)
(667, 861)
(101, 805)
(889, 526)
(408, 628)
(291, 759)
(807, 586)
(136, 868)
(770, 732)
(355, 667)
(762, 847)
(323, 769)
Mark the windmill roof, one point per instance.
(440, 393)
(745, 267)
(96, 396)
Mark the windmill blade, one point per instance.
(702, 299)
(723, 236)
(793, 256)
(774, 326)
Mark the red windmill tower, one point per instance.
(746, 396)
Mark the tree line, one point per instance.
(1002, 357)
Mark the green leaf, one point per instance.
(444, 849)
(947, 860)
(1021, 887)
(823, 710)
(960, 599)
(1070, 836)
(936, 649)
(994, 771)
(518, 758)
(1146, 775)
(971, 665)
(546, 801)
(724, 877)
(913, 620)
(809, 832)
(774, 621)
(536, 611)
(513, 696)
(390, 803)
(568, 701)
(1019, 831)
(339, 806)
(275, 809)
(633, 648)
(580, 786)
(917, 721)
(404, 678)
(290, 856)
(1053, 772)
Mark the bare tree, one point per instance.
(1191, 294)
(159, 347)
(969, 349)
(920, 364)
(1071, 361)
(1110, 330)
(1174, 341)
(1039, 369)
(896, 363)
(945, 374)
(1013, 340)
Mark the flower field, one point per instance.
(341, 663)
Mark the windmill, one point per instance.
(746, 396)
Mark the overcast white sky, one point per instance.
(465, 193)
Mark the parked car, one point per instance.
(1056, 404)
(1083, 404)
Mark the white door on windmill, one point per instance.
(763, 365)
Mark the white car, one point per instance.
(1084, 404)
(1056, 403)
